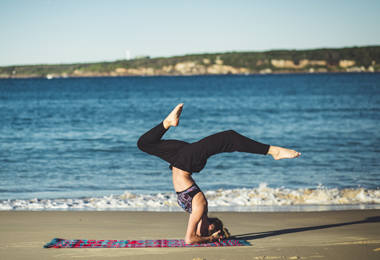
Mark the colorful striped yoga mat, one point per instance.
(88, 243)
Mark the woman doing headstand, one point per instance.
(186, 158)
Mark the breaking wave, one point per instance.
(219, 200)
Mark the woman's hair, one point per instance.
(218, 225)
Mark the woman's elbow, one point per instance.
(188, 240)
(191, 240)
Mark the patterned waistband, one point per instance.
(193, 189)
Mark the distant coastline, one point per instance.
(355, 59)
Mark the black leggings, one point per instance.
(192, 157)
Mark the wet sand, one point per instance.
(282, 235)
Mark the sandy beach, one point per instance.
(282, 235)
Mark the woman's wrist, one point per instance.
(213, 239)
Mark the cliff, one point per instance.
(356, 59)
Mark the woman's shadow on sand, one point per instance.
(251, 236)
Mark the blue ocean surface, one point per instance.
(76, 137)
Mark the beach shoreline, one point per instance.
(350, 234)
(261, 199)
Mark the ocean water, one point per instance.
(71, 143)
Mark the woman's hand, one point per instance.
(216, 237)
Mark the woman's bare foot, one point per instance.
(279, 153)
(173, 118)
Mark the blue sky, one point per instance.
(72, 31)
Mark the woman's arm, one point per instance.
(198, 212)
(193, 238)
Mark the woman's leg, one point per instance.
(151, 142)
(193, 158)
(231, 141)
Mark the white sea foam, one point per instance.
(235, 200)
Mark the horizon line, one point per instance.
(188, 54)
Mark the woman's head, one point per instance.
(216, 225)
